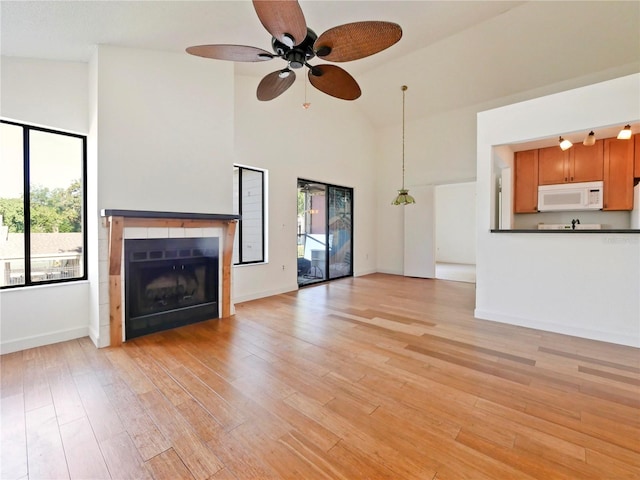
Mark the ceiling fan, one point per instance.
(295, 43)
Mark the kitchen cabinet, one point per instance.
(578, 164)
(618, 174)
(526, 182)
(636, 171)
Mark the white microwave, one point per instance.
(570, 196)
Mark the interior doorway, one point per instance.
(440, 232)
(325, 232)
(455, 228)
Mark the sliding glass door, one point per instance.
(325, 226)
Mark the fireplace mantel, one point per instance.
(118, 220)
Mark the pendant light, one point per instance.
(403, 197)
(589, 140)
(625, 133)
(564, 143)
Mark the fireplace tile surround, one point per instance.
(137, 224)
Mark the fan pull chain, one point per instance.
(306, 104)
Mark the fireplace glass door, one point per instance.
(169, 283)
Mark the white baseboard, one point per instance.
(263, 294)
(361, 273)
(591, 334)
(94, 336)
(388, 271)
(46, 339)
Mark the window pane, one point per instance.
(252, 213)
(312, 232)
(11, 206)
(55, 202)
(340, 232)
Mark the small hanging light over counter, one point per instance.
(590, 139)
(625, 133)
(564, 143)
(403, 197)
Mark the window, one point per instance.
(42, 205)
(249, 203)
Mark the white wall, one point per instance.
(577, 284)
(165, 131)
(330, 142)
(455, 223)
(45, 93)
(55, 95)
(40, 315)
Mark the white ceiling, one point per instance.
(510, 47)
(66, 30)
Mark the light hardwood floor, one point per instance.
(378, 377)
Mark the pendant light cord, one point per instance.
(404, 89)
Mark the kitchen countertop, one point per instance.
(546, 232)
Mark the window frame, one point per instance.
(239, 229)
(28, 282)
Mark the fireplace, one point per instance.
(117, 221)
(169, 282)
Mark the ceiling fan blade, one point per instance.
(235, 53)
(352, 41)
(283, 19)
(274, 84)
(334, 81)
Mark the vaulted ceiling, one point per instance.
(452, 54)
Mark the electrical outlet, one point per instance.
(282, 267)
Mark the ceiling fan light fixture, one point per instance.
(403, 197)
(625, 133)
(288, 40)
(564, 143)
(590, 139)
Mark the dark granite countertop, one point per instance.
(601, 231)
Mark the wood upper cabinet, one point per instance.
(526, 182)
(553, 165)
(636, 171)
(586, 164)
(618, 174)
(578, 164)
